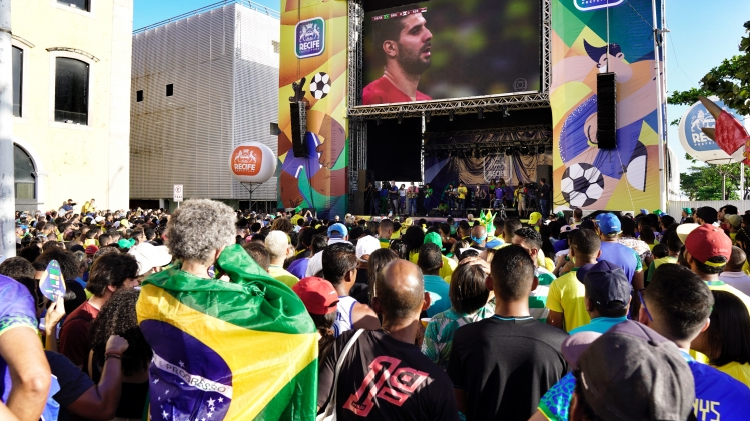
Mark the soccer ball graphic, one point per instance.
(582, 185)
(320, 85)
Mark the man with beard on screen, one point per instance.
(406, 44)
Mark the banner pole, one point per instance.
(659, 109)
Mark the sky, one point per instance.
(702, 35)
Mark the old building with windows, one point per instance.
(202, 83)
(71, 101)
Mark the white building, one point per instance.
(71, 67)
(202, 83)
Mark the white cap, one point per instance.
(366, 245)
(150, 256)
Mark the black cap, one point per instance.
(606, 284)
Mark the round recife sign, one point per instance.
(252, 162)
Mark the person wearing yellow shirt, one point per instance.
(88, 207)
(461, 200)
(707, 251)
(385, 231)
(566, 299)
(726, 342)
(277, 244)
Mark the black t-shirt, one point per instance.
(505, 366)
(544, 192)
(73, 382)
(383, 378)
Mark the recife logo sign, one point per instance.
(310, 36)
(247, 160)
(252, 162)
(586, 5)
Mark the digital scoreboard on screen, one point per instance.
(445, 49)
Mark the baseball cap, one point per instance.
(574, 345)
(608, 223)
(534, 218)
(684, 229)
(606, 285)
(708, 241)
(734, 220)
(150, 256)
(707, 214)
(124, 223)
(688, 211)
(651, 368)
(338, 227)
(434, 238)
(92, 249)
(318, 295)
(366, 245)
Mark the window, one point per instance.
(77, 4)
(139, 96)
(17, 80)
(24, 173)
(71, 91)
(170, 89)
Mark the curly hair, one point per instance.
(198, 228)
(118, 317)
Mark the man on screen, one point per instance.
(406, 44)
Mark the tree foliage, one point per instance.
(703, 181)
(730, 81)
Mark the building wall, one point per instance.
(75, 161)
(187, 138)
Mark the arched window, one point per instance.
(24, 173)
(71, 91)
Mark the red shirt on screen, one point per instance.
(382, 91)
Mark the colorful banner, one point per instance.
(625, 178)
(240, 350)
(313, 45)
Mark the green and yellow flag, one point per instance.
(239, 350)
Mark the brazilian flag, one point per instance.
(239, 350)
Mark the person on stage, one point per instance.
(406, 53)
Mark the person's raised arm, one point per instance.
(100, 401)
(55, 313)
(29, 372)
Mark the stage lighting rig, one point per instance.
(480, 113)
(427, 116)
(378, 118)
(451, 114)
(506, 113)
(400, 118)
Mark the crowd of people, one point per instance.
(211, 313)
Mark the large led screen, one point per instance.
(444, 49)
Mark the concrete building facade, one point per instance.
(71, 101)
(202, 83)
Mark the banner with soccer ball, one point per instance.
(589, 38)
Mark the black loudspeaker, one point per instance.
(545, 172)
(299, 128)
(606, 110)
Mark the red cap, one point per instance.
(317, 294)
(708, 241)
(92, 249)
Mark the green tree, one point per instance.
(704, 181)
(730, 81)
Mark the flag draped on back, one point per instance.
(239, 350)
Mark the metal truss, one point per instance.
(522, 136)
(546, 45)
(357, 151)
(526, 100)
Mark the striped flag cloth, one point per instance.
(239, 350)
